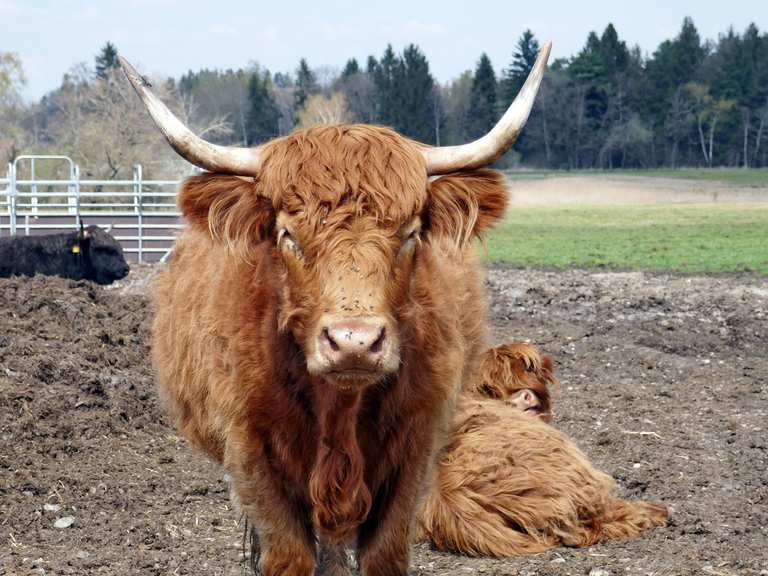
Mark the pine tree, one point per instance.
(689, 52)
(306, 86)
(483, 112)
(513, 77)
(416, 88)
(359, 91)
(405, 97)
(614, 54)
(282, 79)
(384, 73)
(371, 65)
(456, 97)
(675, 63)
(106, 60)
(263, 113)
(350, 69)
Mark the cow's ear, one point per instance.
(227, 207)
(465, 205)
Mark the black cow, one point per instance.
(91, 254)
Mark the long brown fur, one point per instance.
(340, 498)
(509, 484)
(235, 315)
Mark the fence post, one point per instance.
(139, 194)
(7, 195)
(73, 193)
(77, 196)
(135, 190)
(12, 198)
(33, 199)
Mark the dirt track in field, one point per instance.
(664, 385)
(612, 190)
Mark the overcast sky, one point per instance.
(169, 37)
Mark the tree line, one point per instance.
(692, 102)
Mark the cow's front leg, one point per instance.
(385, 537)
(333, 560)
(285, 539)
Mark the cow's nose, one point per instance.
(353, 344)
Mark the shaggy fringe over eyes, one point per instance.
(464, 205)
(368, 169)
(229, 208)
(517, 366)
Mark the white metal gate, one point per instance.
(142, 213)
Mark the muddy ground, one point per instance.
(664, 385)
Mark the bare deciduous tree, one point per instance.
(103, 127)
(12, 81)
(707, 111)
(324, 110)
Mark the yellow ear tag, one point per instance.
(76, 249)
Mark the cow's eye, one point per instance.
(288, 242)
(410, 241)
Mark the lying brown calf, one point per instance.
(509, 484)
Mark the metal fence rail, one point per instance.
(142, 214)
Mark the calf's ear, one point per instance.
(463, 206)
(227, 207)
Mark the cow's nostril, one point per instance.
(378, 344)
(331, 342)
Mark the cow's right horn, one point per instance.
(489, 148)
(212, 157)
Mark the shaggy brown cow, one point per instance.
(319, 316)
(508, 484)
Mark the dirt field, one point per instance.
(664, 384)
(592, 189)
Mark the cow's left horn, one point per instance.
(490, 147)
(223, 159)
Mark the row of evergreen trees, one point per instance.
(691, 103)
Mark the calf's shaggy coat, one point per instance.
(508, 484)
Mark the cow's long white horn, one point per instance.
(212, 157)
(490, 147)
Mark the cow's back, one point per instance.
(29, 255)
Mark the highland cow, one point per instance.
(321, 312)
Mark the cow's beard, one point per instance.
(340, 498)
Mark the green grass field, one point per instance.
(680, 237)
(753, 177)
